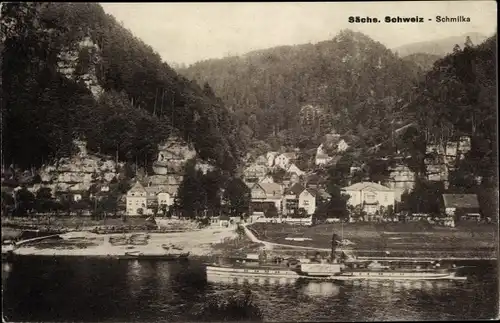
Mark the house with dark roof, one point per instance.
(296, 197)
(461, 206)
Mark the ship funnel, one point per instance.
(334, 246)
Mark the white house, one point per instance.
(371, 196)
(164, 199)
(342, 145)
(297, 197)
(137, 200)
(271, 156)
(285, 159)
(322, 157)
(307, 201)
(335, 144)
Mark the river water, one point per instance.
(91, 290)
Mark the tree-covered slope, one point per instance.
(423, 60)
(144, 100)
(440, 47)
(356, 83)
(458, 98)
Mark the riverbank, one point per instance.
(410, 240)
(84, 243)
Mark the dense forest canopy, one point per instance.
(357, 83)
(440, 47)
(458, 98)
(144, 101)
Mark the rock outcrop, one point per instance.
(79, 64)
(78, 172)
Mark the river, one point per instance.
(91, 290)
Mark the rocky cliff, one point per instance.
(79, 172)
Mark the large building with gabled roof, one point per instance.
(370, 196)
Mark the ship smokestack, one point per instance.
(334, 246)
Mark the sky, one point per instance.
(183, 33)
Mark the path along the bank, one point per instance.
(439, 254)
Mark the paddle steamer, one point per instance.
(346, 267)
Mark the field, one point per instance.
(400, 239)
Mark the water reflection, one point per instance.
(6, 268)
(259, 281)
(401, 285)
(88, 290)
(163, 274)
(135, 277)
(321, 289)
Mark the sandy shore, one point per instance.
(84, 243)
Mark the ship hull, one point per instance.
(269, 272)
(396, 276)
(265, 272)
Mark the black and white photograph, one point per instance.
(249, 161)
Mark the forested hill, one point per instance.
(356, 83)
(136, 102)
(458, 98)
(422, 60)
(439, 47)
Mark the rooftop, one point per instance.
(271, 188)
(290, 155)
(137, 187)
(295, 189)
(366, 185)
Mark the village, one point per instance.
(280, 191)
